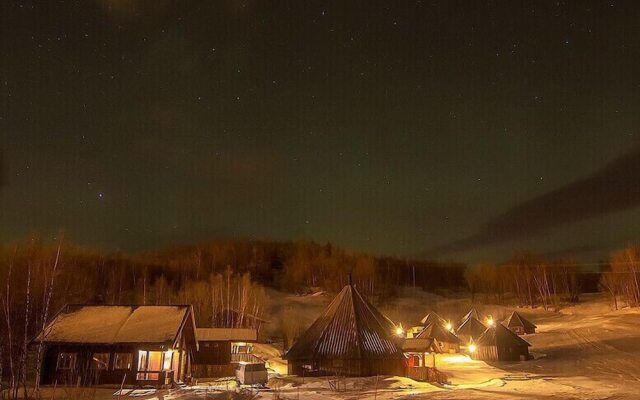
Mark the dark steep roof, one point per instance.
(433, 317)
(500, 336)
(472, 313)
(515, 319)
(439, 333)
(349, 328)
(471, 326)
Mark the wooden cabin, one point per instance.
(351, 338)
(446, 341)
(470, 329)
(137, 345)
(498, 343)
(519, 324)
(221, 349)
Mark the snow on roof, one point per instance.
(115, 324)
(416, 344)
(224, 334)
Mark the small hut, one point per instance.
(416, 351)
(471, 328)
(222, 349)
(446, 341)
(498, 343)
(519, 324)
(351, 337)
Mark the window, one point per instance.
(100, 361)
(166, 364)
(66, 360)
(122, 361)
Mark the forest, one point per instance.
(38, 277)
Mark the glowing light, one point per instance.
(400, 330)
(472, 348)
(490, 321)
(449, 326)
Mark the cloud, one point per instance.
(613, 188)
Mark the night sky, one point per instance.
(468, 130)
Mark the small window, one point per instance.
(100, 361)
(122, 361)
(66, 360)
(166, 364)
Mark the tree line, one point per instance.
(531, 281)
(620, 278)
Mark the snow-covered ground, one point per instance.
(583, 352)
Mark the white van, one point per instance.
(252, 374)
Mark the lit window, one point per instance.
(122, 361)
(100, 361)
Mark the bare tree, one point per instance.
(48, 294)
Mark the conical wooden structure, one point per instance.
(498, 343)
(519, 324)
(351, 337)
(471, 328)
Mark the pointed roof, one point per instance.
(350, 327)
(439, 333)
(433, 317)
(471, 326)
(500, 335)
(472, 313)
(515, 319)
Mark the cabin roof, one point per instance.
(93, 324)
(419, 345)
(439, 333)
(226, 334)
(349, 328)
(432, 317)
(516, 319)
(500, 335)
(471, 326)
